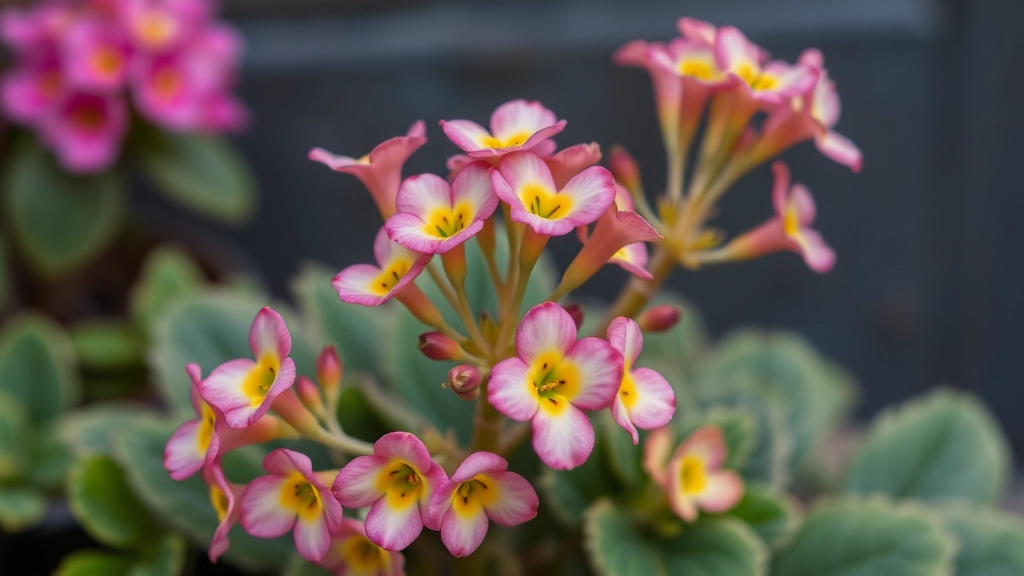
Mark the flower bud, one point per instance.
(575, 310)
(437, 346)
(624, 168)
(660, 318)
(329, 369)
(309, 394)
(464, 380)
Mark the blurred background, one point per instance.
(928, 287)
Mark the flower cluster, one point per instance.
(78, 61)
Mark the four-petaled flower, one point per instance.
(396, 482)
(291, 497)
(771, 83)
(243, 389)
(480, 489)
(515, 125)
(551, 380)
(434, 217)
(693, 478)
(370, 285)
(645, 399)
(525, 183)
(353, 554)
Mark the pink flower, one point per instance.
(292, 496)
(564, 164)
(159, 26)
(694, 479)
(770, 84)
(396, 482)
(515, 125)
(481, 489)
(96, 56)
(380, 170)
(168, 90)
(370, 285)
(788, 230)
(823, 105)
(434, 217)
(551, 380)
(86, 131)
(353, 554)
(525, 183)
(645, 399)
(224, 497)
(30, 91)
(244, 389)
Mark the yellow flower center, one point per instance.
(544, 203)
(555, 381)
(299, 495)
(364, 159)
(693, 475)
(155, 28)
(390, 276)
(627, 389)
(257, 383)
(166, 82)
(700, 68)
(207, 424)
(447, 222)
(791, 222)
(365, 557)
(107, 61)
(401, 483)
(220, 502)
(472, 496)
(748, 73)
(766, 82)
(517, 139)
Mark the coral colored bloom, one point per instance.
(244, 389)
(704, 34)
(618, 238)
(370, 285)
(564, 164)
(645, 399)
(168, 90)
(551, 380)
(29, 92)
(434, 217)
(396, 482)
(788, 230)
(86, 131)
(158, 26)
(291, 497)
(525, 183)
(823, 105)
(481, 489)
(224, 496)
(353, 554)
(771, 83)
(668, 87)
(380, 170)
(515, 125)
(96, 55)
(695, 480)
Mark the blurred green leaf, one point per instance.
(94, 563)
(991, 543)
(50, 459)
(108, 344)
(677, 353)
(771, 513)
(103, 503)
(59, 220)
(624, 459)
(93, 429)
(867, 537)
(201, 173)
(297, 566)
(720, 546)
(945, 446)
(5, 272)
(168, 274)
(15, 438)
(20, 507)
(569, 493)
(167, 558)
(37, 366)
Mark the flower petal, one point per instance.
(223, 389)
(780, 188)
(625, 336)
(818, 255)
(520, 116)
(520, 170)
(269, 334)
(600, 373)
(392, 529)
(462, 535)
(708, 444)
(404, 446)
(511, 391)
(517, 501)
(312, 538)
(546, 327)
(655, 402)
(473, 185)
(724, 490)
(592, 192)
(657, 450)
(433, 478)
(841, 149)
(621, 417)
(182, 456)
(356, 483)
(479, 463)
(422, 194)
(466, 134)
(262, 514)
(563, 437)
(571, 161)
(353, 285)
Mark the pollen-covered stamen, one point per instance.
(301, 496)
(517, 139)
(390, 276)
(552, 376)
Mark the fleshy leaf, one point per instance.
(50, 459)
(93, 429)
(771, 513)
(107, 344)
(167, 275)
(37, 366)
(570, 493)
(946, 446)
(93, 563)
(15, 438)
(166, 559)
(20, 507)
(678, 352)
(103, 503)
(991, 543)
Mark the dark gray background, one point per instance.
(928, 287)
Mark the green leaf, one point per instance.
(50, 459)
(20, 507)
(186, 505)
(94, 563)
(37, 366)
(204, 174)
(297, 566)
(59, 220)
(93, 430)
(168, 274)
(109, 344)
(15, 438)
(720, 546)
(867, 537)
(103, 503)
(624, 459)
(5, 273)
(945, 446)
(570, 493)
(677, 353)
(771, 513)
(991, 543)
(166, 559)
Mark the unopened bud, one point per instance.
(660, 318)
(437, 346)
(575, 310)
(464, 380)
(309, 394)
(624, 168)
(329, 369)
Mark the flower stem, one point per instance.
(486, 423)
(638, 292)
